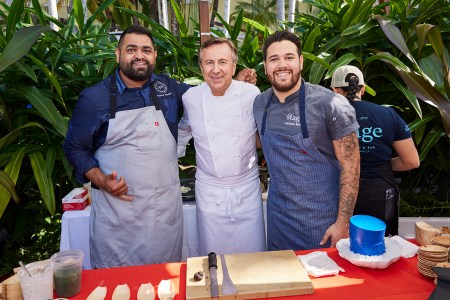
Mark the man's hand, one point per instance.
(336, 231)
(247, 75)
(109, 183)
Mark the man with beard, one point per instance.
(309, 140)
(123, 138)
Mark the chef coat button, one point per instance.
(237, 115)
(238, 155)
(212, 137)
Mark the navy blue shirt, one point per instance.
(380, 126)
(90, 118)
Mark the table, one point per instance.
(75, 232)
(401, 280)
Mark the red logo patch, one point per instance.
(156, 124)
(303, 152)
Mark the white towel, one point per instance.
(319, 264)
(409, 249)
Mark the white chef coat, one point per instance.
(224, 133)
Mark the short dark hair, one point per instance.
(218, 41)
(136, 29)
(282, 35)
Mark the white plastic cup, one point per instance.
(40, 285)
(67, 267)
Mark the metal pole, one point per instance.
(203, 11)
(53, 11)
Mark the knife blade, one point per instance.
(228, 287)
(212, 266)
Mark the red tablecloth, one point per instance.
(401, 280)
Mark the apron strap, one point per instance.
(153, 96)
(113, 97)
(301, 104)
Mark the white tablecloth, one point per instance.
(75, 232)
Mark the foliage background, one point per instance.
(404, 56)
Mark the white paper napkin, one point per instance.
(318, 264)
(409, 249)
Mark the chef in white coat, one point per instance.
(218, 114)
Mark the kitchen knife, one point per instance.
(228, 286)
(212, 266)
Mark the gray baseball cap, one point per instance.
(338, 79)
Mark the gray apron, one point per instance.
(147, 230)
(303, 197)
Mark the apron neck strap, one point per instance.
(301, 103)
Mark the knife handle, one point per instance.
(212, 260)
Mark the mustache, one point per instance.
(282, 69)
(139, 60)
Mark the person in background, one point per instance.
(123, 138)
(381, 130)
(218, 115)
(308, 136)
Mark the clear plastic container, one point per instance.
(40, 285)
(67, 267)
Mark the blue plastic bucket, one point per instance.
(367, 235)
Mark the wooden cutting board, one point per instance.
(255, 275)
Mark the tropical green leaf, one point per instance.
(350, 15)
(50, 159)
(7, 190)
(317, 59)
(395, 36)
(257, 25)
(48, 73)
(225, 24)
(370, 91)
(180, 18)
(318, 69)
(13, 135)
(310, 44)
(341, 61)
(234, 34)
(413, 126)
(427, 93)
(389, 58)
(422, 31)
(78, 13)
(20, 44)
(26, 70)
(38, 11)
(46, 107)
(430, 140)
(407, 93)
(14, 17)
(43, 180)
(105, 4)
(435, 39)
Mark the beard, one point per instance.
(285, 86)
(137, 74)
